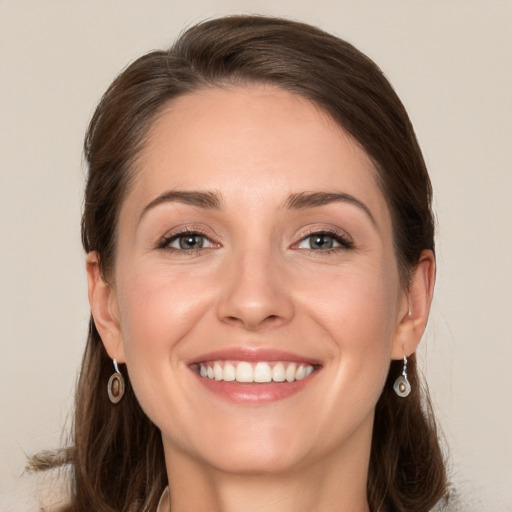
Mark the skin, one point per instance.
(257, 283)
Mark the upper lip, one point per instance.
(253, 355)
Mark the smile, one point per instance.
(257, 372)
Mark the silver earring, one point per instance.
(401, 386)
(115, 387)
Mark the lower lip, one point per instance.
(253, 393)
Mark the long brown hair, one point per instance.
(116, 457)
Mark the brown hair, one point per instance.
(117, 456)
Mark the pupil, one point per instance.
(191, 242)
(321, 242)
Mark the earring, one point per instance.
(401, 386)
(115, 387)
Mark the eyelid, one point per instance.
(164, 241)
(341, 236)
(177, 238)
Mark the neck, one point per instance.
(333, 484)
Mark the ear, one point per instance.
(415, 307)
(104, 308)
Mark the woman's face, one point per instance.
(255, 244)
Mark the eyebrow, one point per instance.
(305, 200)
(206, 200)
(299, 201)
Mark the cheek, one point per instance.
(357, 306)
(157, 311)
(157, 308)
(358, 312)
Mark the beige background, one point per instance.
(450, 62)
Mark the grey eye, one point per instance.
(324, 241)
(321, 241)
(190, 241)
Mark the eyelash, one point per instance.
(345, 243)
(165, 242)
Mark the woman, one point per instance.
(260, 259)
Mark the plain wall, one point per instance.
(450, 62)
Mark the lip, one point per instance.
(253, 393)
(253, 355)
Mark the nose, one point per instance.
(255, 292)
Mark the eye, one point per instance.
(186, 241)
(325, 241)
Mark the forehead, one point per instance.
(251, 142)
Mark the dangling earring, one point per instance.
(401, 386)
(115, 387)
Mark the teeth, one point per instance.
(244, 372)
(229, 372)
(260, 372)
(278, 373)
(217, 371)
(300, 373)
(290, 372)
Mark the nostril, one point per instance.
(253, 322)
(254, 307)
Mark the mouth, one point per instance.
(254, 377)
(260, 372)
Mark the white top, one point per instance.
(163, 504)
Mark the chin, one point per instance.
(259, 449)
(254, 460)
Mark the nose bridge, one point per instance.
(254, 293)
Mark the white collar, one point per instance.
(163, 504)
